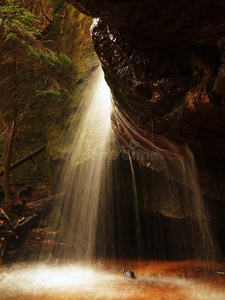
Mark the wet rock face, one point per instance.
(164, 62)
(160, 20)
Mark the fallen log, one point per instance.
(25, 158)
(34, 206)
(20, 228)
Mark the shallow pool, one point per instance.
(154, 280)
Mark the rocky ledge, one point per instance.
(164, 62)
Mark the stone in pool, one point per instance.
(128, 273)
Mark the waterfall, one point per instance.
(173, 208)
(85, 177)
(172, 217)
(112, 208)
(136, 209)
(181, 187)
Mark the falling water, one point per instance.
(176, 196)
(173, 218)
(184, 195)
(196, 210)
(84, 178)
(136, 209)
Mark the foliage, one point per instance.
(24, 54)
(22, 40)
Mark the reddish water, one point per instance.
(154, 280)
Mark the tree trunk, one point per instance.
(11, 134)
